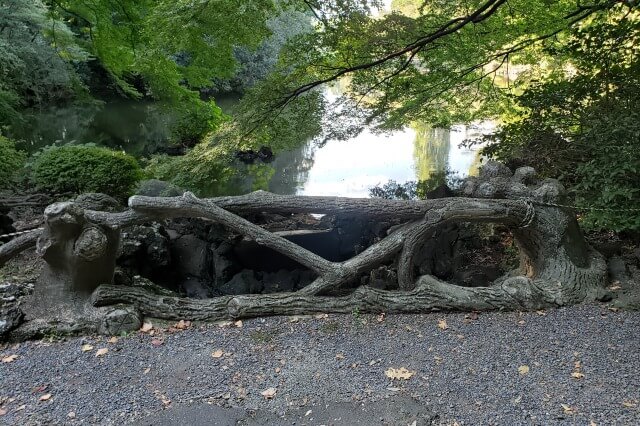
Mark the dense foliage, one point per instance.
(83, 168)
(11, 161)
(584, 125)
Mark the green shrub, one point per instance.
(85, 168)
(11, 161)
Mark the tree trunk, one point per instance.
(557, 266)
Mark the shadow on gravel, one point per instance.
(392, 411)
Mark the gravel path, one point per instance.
(473, 371)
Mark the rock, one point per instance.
(158, 188)
(551, 191)
(442, 191)
(225, 264)
(191, 256)
(383, 278)
(121, 319)
(265, 154)
(244, 282)
(281, 281)
(195, 288)
(99, 202)
(145, 250)
(247, 157)
(10, 318)
(617, 269)
(6, 223)
(494, 169)
(525, 175)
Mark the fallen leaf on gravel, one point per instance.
(414, 423)
(380, 317)
(87, 348)
(399, 373)
(71, 415)
(613, 309)
(339, 356)
(321, 316)
(577, 364)
(238, 323)
(442, 324)
(577, 375)
(541, 313)
(218, 353)
(3, 411)
(615, 287)
(146, 327)
(521, 322)
(592, 423)
(45, 397)
(146, 371)
(40, 388)
(222, 324)
(114, 339)
(523, 369)
(630, 404)
(102, 352)
(567, 409)
(278, 370)
(269, 393)
(392, 389)
(10, 358)
(183, 325)
(157, 342)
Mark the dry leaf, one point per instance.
(321, 316)
(339, 356)
(183, 325)
(567, 409)
(146, 371)
(630, 404)
(71, 415)
(442, 324)
(102, 352)
(157, 342)
(278, 369)
(615, 287)
(3, 411)
(146, 327)
(541, 313)
(87, 348)
(114, 339)
(399, 373)
(10, 358)
(381, 317)
(238, 323)
(45, 397)
(217, 354)
(472, 316)
(577, 375)
(523, 369)
(577, 365)
(269, 393)
(22, 407)
(521, 322)
(592, 423)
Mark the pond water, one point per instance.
(340, 168)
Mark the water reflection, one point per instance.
(350, 168)
(136, 127)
